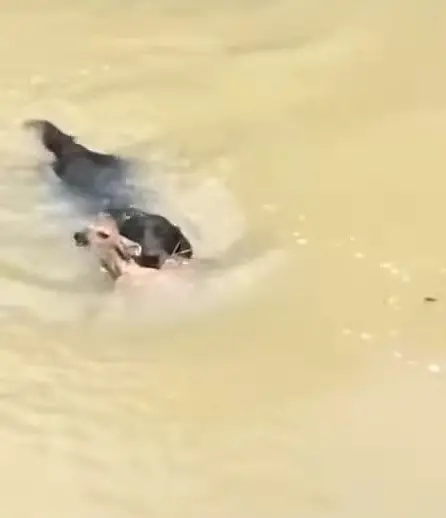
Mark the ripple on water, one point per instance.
(46, 278)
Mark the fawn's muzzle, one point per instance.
(81, 239)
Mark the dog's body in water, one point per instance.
(141, 253)
(101, 181)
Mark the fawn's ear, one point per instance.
(127, 249)
(134, 249)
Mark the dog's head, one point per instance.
(113, 251)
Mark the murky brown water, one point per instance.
(309, 388)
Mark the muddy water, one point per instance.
(312, 384)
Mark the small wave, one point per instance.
(174, 295)
(45, 277)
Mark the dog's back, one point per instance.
(99, 177)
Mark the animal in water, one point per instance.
(116, 254)
(101, 180)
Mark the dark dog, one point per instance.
(101, 179)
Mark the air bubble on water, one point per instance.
(434, 368)
(296, 234)
(394, 271)
(359, 255)
(365, 336)
(302, 217)
(386, 266)
(302, 241)
(397, 355)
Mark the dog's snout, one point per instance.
(80, 238)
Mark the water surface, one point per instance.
(316, 388)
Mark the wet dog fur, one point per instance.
(101, 179)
